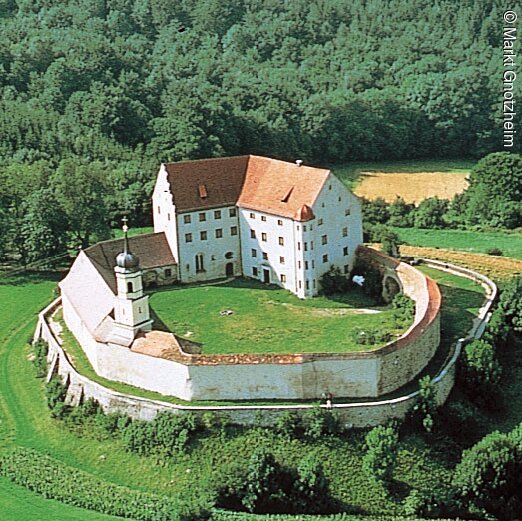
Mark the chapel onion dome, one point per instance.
(126, 259)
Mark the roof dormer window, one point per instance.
(287, 195)
(202, 189)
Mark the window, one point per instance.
(168, 272)
(346, 268)
(130, 287)
(186, 219)
(324, 239)
(281, 241)
(217, 214)
(263, 236)
(300, 284)
(307, 285)
(340, 199)
(347, 211)
(306, 265)
(345, 250)
(203, 235)
(325, 258)
(281, 260)
(299, 265)
(265, 255)
(139, 310)
(311, 245)
(329, 187)
(219, 233)
(283, 278)
(168, 216)
(255, 272)
(202, 217)
(232, 212)
(254, 252)
(345, 232)
(299, 246)
(159, 209)
(304, 228)
(252, 215)
(313, 264)
(188, 237)
(319, 222)
(233, 230)
(311, 227)
(252, 234)
(229, 255)
(305, 246)
(263, 218)
(199, 262)
(313, 283)
(280, 222)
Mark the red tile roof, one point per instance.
(253, 182)
(151, 248)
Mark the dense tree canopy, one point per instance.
(117, 87)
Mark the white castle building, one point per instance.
(278, 222)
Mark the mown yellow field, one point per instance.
(412, 187)
(498, 268)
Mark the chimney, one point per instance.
(299, 162)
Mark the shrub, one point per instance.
(489, 475)
(510, 304)
(480, 369)
(55, 393)
(261, 479)
(333, 281)
(404, 308)
(287, 424)
(430, 213)
(54, 480)
(40, 349)
(497, 329)
(319, 422)
(401, 213)
(389, 240)
(167, 434)
(311, 488)
(426, 405)
(495, 251)
(376, 211)
(371, 336)
(381, 454)
(372, 284)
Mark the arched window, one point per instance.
(130, 287)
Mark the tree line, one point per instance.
(107, 90)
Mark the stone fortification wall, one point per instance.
(353, 413)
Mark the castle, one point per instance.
(251, 216)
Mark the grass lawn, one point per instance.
(475, 242)
(268, 319)
(349, 173)
(25, 421)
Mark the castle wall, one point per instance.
(352, 414)
(288, 377)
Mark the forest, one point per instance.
(96, 94)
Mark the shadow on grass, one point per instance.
(30, 277)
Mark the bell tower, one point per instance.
(131, 309)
